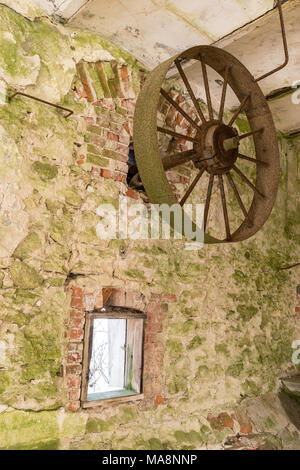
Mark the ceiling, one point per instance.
(154, 30)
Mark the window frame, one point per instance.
(109, 313)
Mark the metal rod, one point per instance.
(179, 109)
(249, 134)
(189, 89)
(207, 91)
(224, 90)
(244, 177)
(285, 45)
(225, 212)
(253, 160)
(208, 198)
(239, 199)
(175, 134)
(240, 108)
(192, 187)
(42, 101)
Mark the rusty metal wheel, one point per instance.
(215, 143)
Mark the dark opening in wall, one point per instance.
(133, 178)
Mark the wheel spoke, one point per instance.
(239, 110)
(175, 134)
(253, 160)
(192, 187)
(171, 161)
(225, 212)
(179, 109)
(189, 89)
(249, 134)
(207, 92)
(208, 198)
(244, 177)
(224, 91)
(239, 199)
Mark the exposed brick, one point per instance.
(118, 297)
(76, 333)
(153, 307)
(76, 291)
(75, 369)
(76, 302)
(74, 406)
(169, 298)
(76, 322)
(124, 73)
(223, 420)
(112, 136)
(244, 422)
(159, 399)
(74, 381)
(132, 194)
(74, 357)
(90, 93)
(74, 395)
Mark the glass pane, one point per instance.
(107, 365)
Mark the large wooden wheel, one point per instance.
(215, 143)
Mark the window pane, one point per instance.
(107, 365)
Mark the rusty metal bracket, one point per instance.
(285, 45)
(70, 112)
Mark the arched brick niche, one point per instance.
(112, 90)
(84, 301)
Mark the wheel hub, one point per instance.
(217, 147)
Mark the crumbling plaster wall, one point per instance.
(227, 338)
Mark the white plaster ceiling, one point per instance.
(154, 30)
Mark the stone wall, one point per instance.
(227, 333)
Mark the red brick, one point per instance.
(112, 136)
(74, 395)
(105, 174)
(153, 307)
(76, 333)
(74, 381)
(75, 369)
(87, 88)
(169, 298)
(124, 73)
(74, 406)
(74, 357)
(297, 309)
(244, 422)
(76, 322)
(155, 298)
(223, 420)
(75, 347)
(80, 162)
(77, 314)
(132, 193)
(76, 302)
(159, 399)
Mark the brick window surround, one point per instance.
(84, 301)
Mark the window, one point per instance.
(113, 355)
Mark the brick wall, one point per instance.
(112, 90)
(83, 301)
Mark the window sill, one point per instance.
(115, 401)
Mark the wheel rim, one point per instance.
(212, 133)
